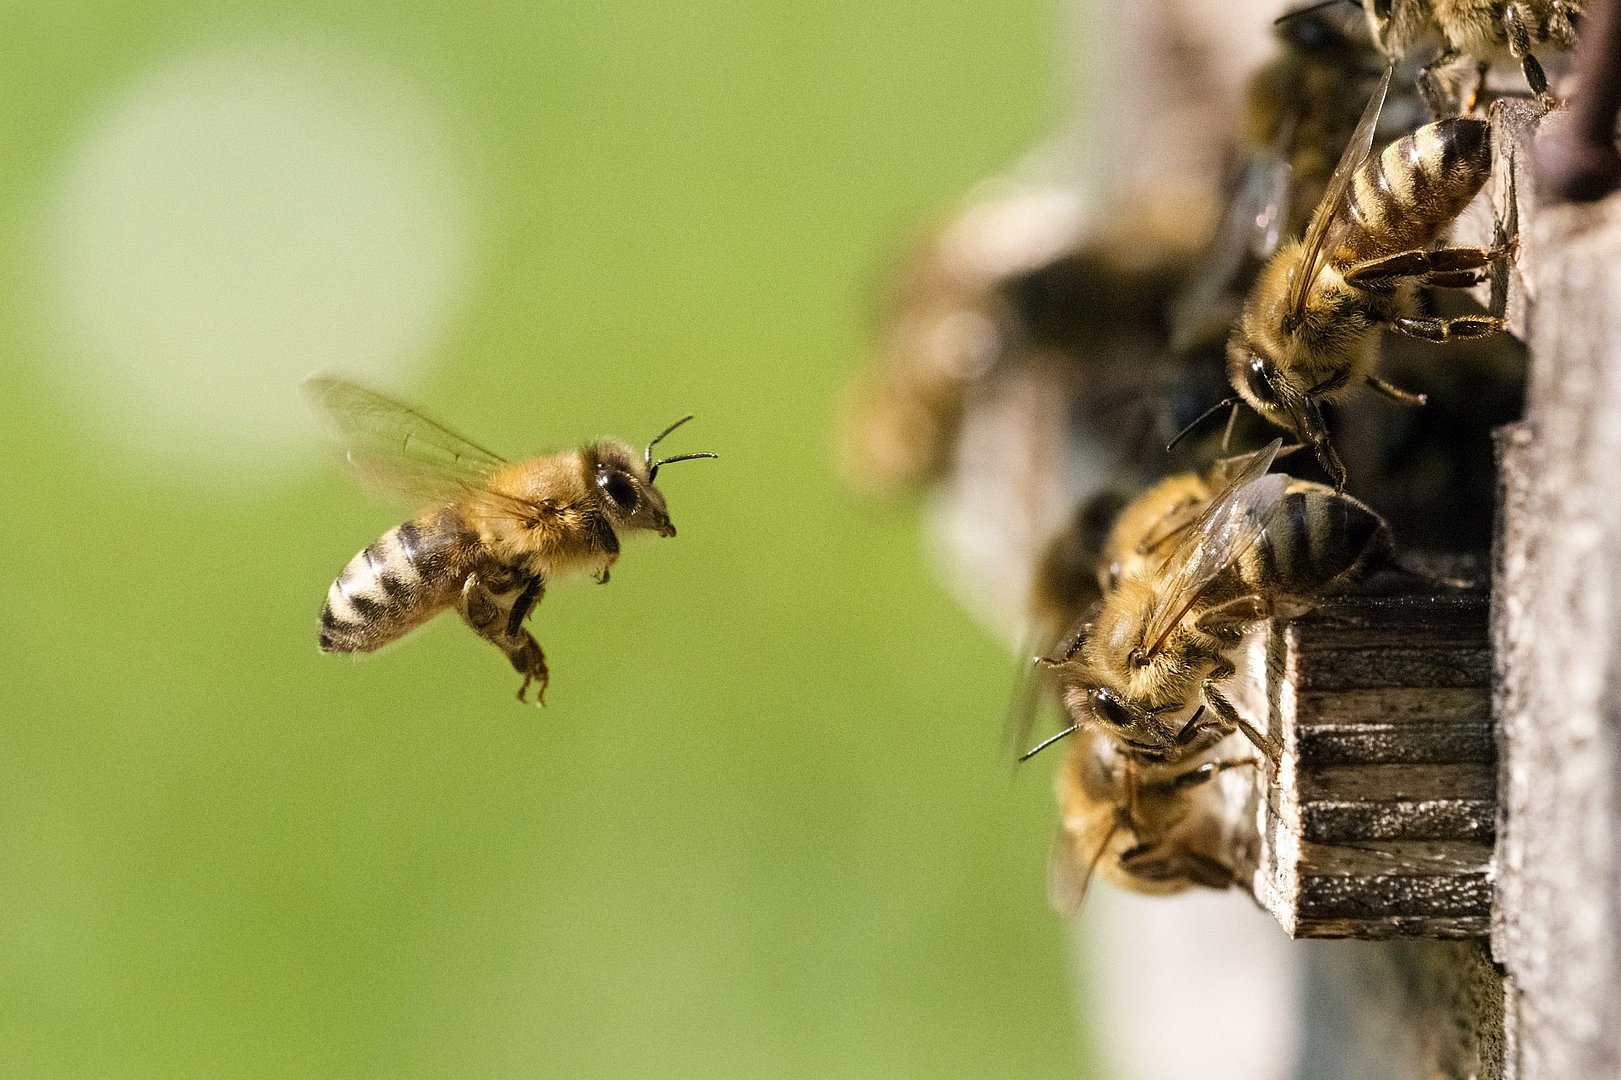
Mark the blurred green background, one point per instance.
(761, 828)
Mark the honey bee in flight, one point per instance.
(1148, 664)
(495, 532)
(1146, 826)
(1481, 30)
(1309, 330)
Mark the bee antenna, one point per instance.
(1307, 10)
(1201, 418)
(1043, 744)
(653, 469)
(647, 455)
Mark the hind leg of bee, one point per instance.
(1441, 95)
(480, 610)
(1423, 264)
(1229, 719)
(1515, 18)
(529, 661)
(1395, 393)
(1461, 328)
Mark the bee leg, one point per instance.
(1152, 862)
(1519, 47)
(608, 541)
(1455, 279)
(1395, 393)
(1479, 91)
(481, 611)
(1230, 719)
(1441, 97)
(521, 607)
(1422, 264)
(1312, 429)
(1209, 770)
(1461, 328)
(530, 662)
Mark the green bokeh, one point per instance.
(760, 830)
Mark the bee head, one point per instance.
(1283, 401)
(1139, 731)
(625, 481)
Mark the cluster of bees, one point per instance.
(1365, 137)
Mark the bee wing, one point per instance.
(1328, 219)
(395, 450)
(1228, 527)
(1024, 705)
(1250, 230)
(1068, 873)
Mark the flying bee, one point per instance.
(1149, 827)
(1148, 664)
(495, 532)
(1309, 329)
(1481, 30)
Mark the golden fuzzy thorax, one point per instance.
(1335, 339)
(566, 533)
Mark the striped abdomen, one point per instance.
(396, 583)
(1315, 542)
(1401, 199)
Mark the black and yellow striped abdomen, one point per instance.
(1315, 542)
(395, 584)
(1401, 199)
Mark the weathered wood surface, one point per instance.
(1381, 819)
(1557, 926)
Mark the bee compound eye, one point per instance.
(1107, 708)
(617, 486)
(1258, 381)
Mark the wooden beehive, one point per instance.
(1380, 820)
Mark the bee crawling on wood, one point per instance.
(495, 532)
(1478, 30)
(1309, 330)
(1148, 663)
(1149, 827)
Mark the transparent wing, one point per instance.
(1031, 689)
(395, 450)
(1069, 872)
(1328, 219)
(1249, 233)
(1228, 527)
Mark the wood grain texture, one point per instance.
(1381, 821)
(1558, 636)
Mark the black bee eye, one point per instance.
(617, 486)
(1108, 709)
(1257, 382)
